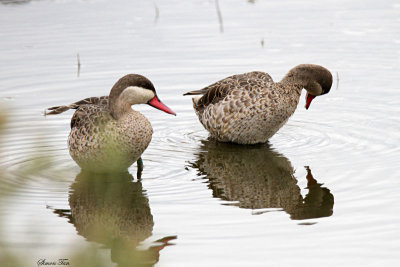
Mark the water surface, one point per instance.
(323, 191)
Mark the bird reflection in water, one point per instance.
(114, 211)
(256, 177)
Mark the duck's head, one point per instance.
(134, 89)
(316, 79)
(320, 82)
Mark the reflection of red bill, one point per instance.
(155, 102)
(309, 98)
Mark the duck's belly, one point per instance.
(245, 125)
(113, 148)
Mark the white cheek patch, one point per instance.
(136, 95)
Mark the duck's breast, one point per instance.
(98, 141)
(134, 132)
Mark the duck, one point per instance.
(250, 108)
(107, 135)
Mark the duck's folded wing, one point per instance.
(102, 100)
(90, 116)
(219, 90)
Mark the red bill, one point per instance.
(309, 98)
(155, 102)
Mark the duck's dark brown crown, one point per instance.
(131, 80)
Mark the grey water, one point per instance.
(323, 191)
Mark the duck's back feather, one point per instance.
(218, 91)
(90, 115)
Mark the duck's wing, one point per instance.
(219, 90)
(101, 101)
(90, 116)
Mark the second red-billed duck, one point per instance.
(250, 108)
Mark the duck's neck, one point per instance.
(117, 106)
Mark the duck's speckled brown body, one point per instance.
(99, 142)
(250, 108)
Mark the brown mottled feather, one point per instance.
(87, 114)
(100, 143)
(219, 90)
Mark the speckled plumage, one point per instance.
(250, 108)
(99, 142)
(107, 135)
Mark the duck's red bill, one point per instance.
(309, 98)
(155, 102)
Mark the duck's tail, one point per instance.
(59, 109)
(197, 92)
(103, 100)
